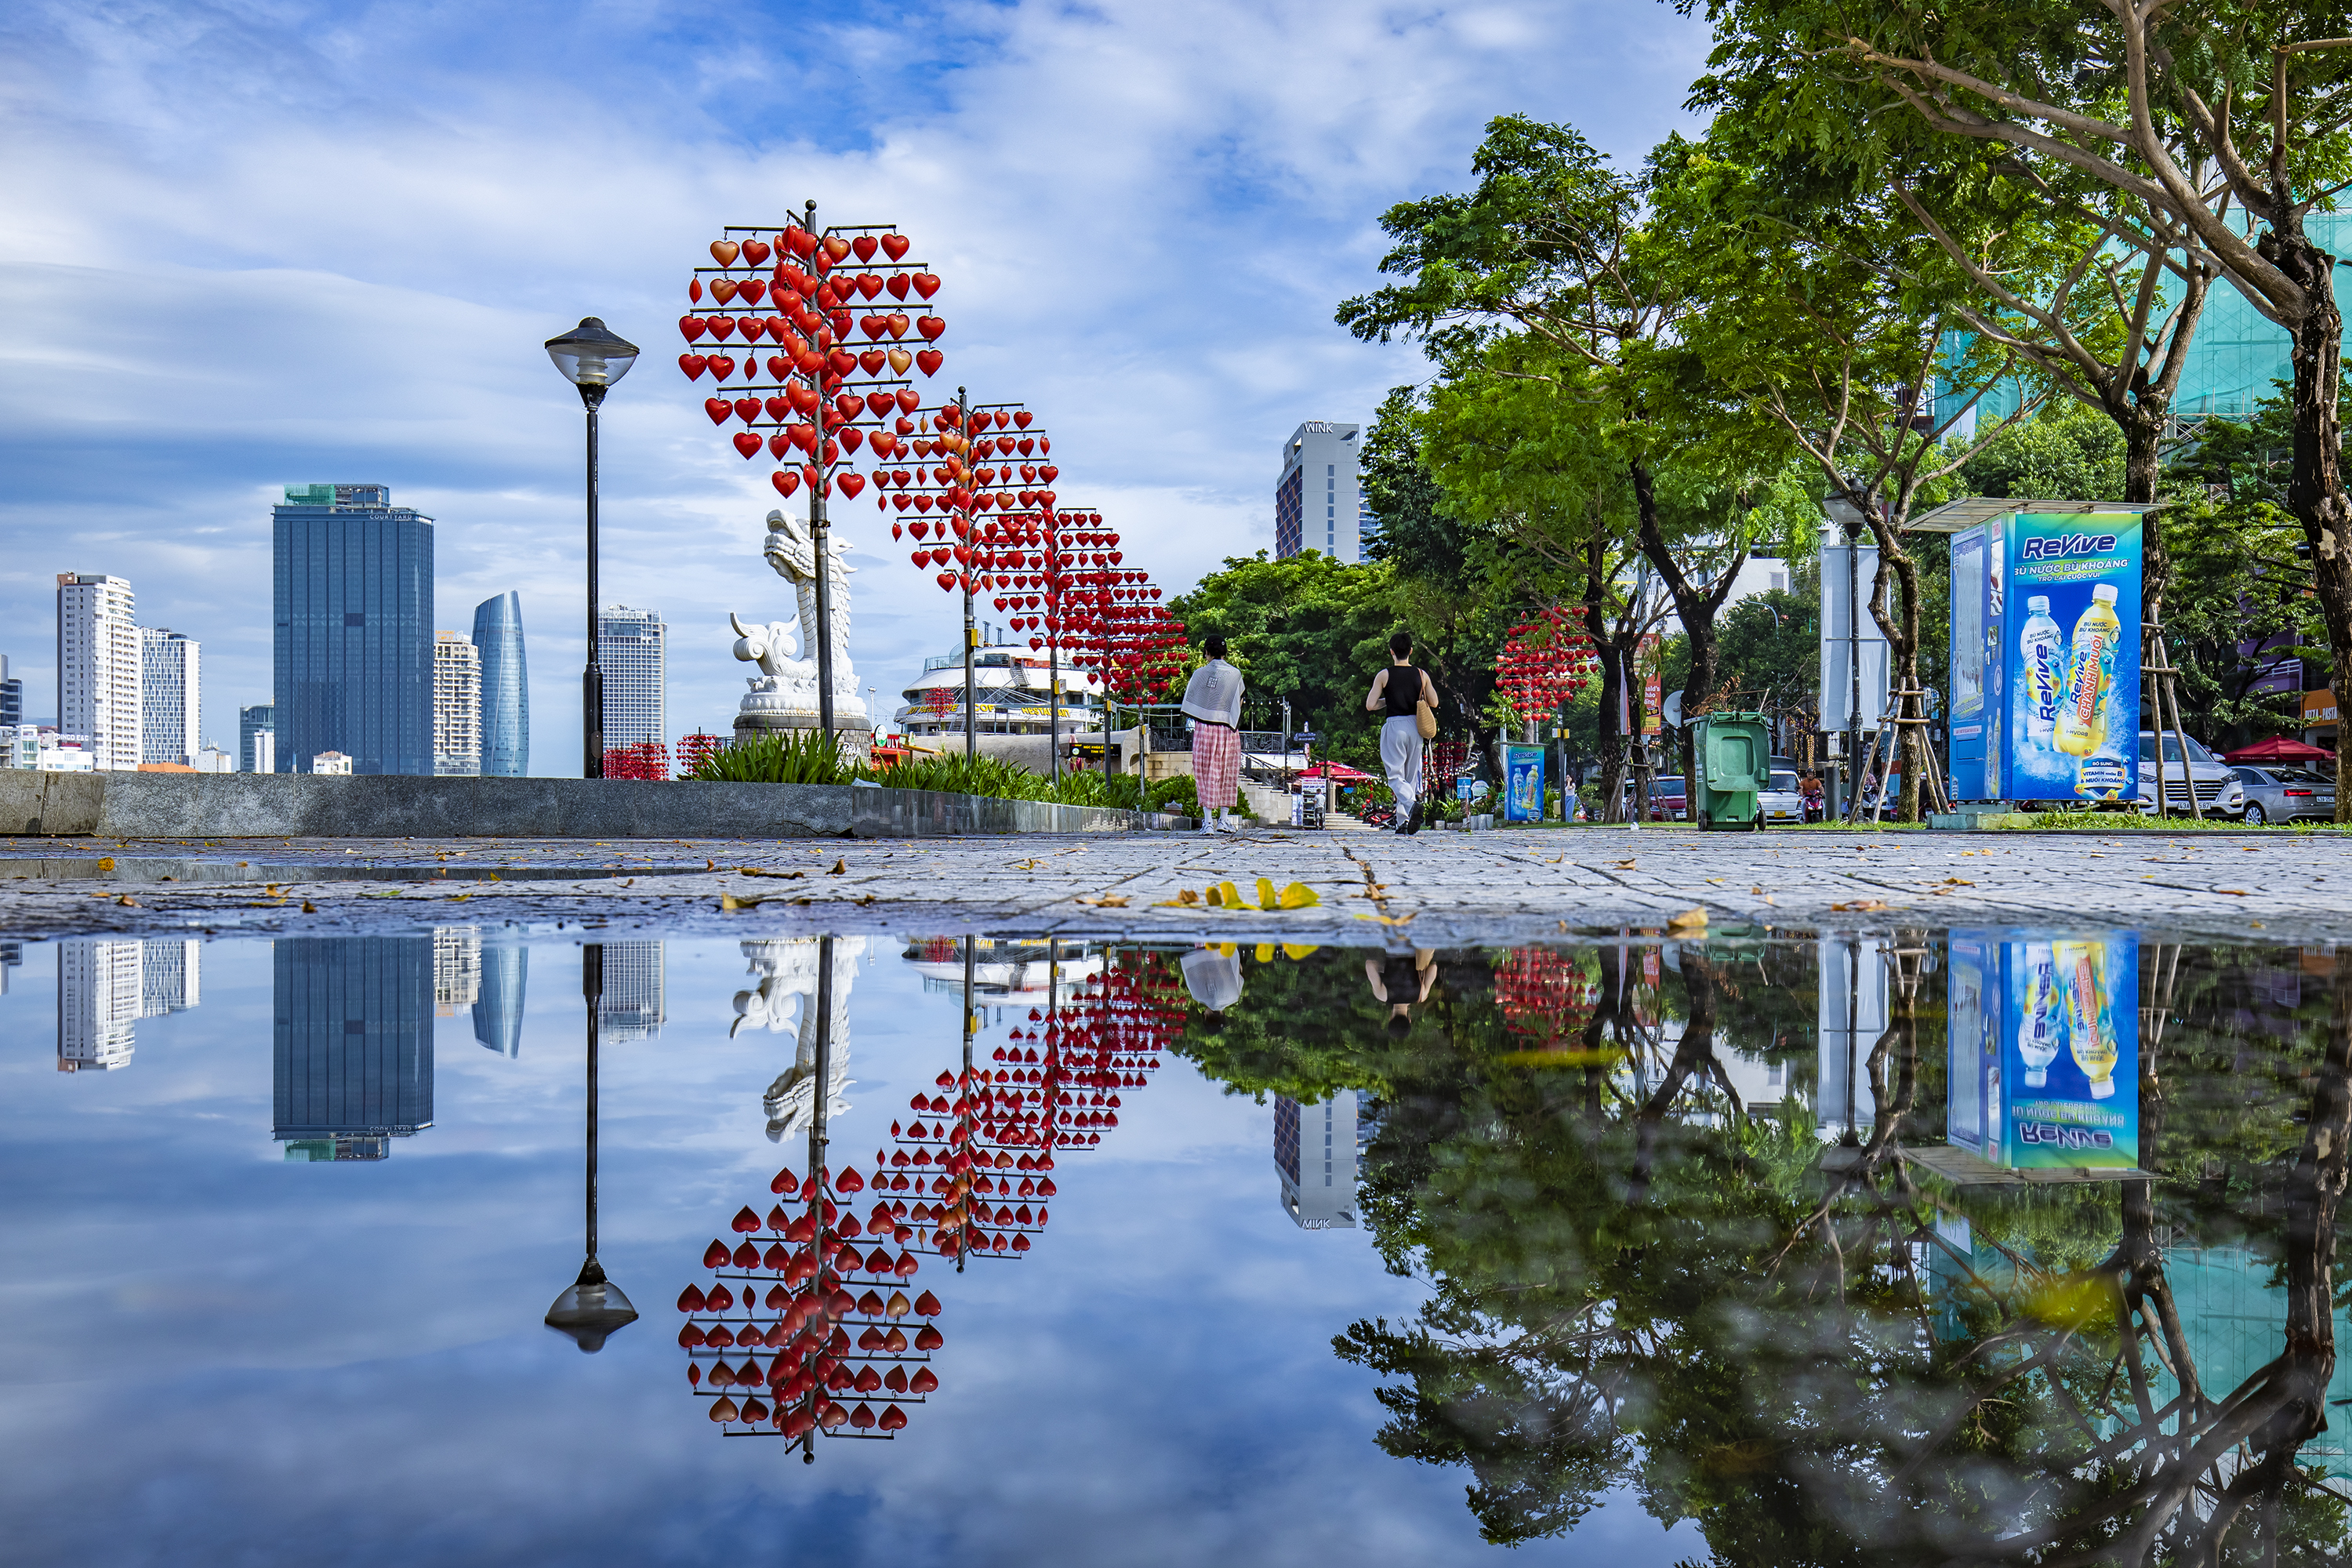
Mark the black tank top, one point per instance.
(1403, 691)
(1400, 978)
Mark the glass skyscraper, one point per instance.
(506, 688)
(353, 1044)
(353, 601)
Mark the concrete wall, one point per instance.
(303, 805)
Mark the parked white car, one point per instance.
(2219, 793)
(1778, 801)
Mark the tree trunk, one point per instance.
(1697, 611)
(1902, 631)
(1610, 650)
(2143, 429)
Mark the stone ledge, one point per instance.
(299, 806)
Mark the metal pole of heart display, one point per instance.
(810, 321)
(971, 637)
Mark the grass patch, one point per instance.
(808, 756)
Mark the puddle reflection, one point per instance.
(1913, 1247)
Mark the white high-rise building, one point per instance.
(633, 1006)
(170, 977)
(99, 668)
(457, 706)
(457, 969)
(1315, 1154)
(99, 1003)
(1317, 502)
(632, 647)
(169, 697)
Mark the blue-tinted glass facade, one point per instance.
(506, 688)
(353, 601)
(353, 1041)
(250, 723)
(498, 1006)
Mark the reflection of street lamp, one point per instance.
(592, 1306)
(592, 358)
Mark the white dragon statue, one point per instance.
(783, 694)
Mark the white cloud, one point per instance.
(253, 244)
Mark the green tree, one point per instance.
(1306, 627)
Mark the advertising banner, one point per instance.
(2044, 1051)
(1523, 782)
(2046, 657)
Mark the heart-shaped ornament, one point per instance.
(872, 360)
(693, 327)
(869, 284)
(894, 245)
(897, 284)
(779, 446)
(723, 289)
(718, 408)
(929, 361)
(747, 443)
(864, 245)
(900, 360)
(693, 364)
(757, 251)
(721, 326)
(946, 580)
(841, 362)
(779, 367)
(851, 438)
(752, 289)
(835, 246)
(926, 283)
(724, 251)
(747, 409)
(850, 483)
(722, 365)
(930, 327)
(786, 480)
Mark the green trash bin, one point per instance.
(1733, 753)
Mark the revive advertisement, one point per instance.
(2044, 1051)
(1523, 783)
(2046, 657)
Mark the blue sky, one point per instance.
(255, 242)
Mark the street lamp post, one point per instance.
(591, 1307)
(592, 358)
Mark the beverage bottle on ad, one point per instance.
(2090, 1028)
(2044, 1024)
(2044, 651)
(2090, 675)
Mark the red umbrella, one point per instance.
(2278, 749)
(1338, 771)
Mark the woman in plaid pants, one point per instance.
(1212, 700)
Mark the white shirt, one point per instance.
(1214, 696)
(1214, 978)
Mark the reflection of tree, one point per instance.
(1807, 1349)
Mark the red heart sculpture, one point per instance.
(897, 284)
(872, 360)
(841, 362)
(836, 247)
(750, 289)
(722, 365)
(747, 409)
(798, 238)
(1117, 556)
(693, 327)
(779, 367)
(801, 396)
(946, 580)
(929, 361)
(899, 476)
(753, 328)
(808, 362)
(723, 289)
(839, 318)
(718, 408)
(778, 407)
(894, 245)
(910, 399)
(921, 559)
(1047, 473)
(863, 246)
(902, 501)
(756, 252)
(895, 531)
(1022, 418)
(721, 327)
(693, 364)
(786, 480)
(851, 483)
(922, 530)
(930, 327)
(869, 284)
(1036, 644)
(747, 443)
(922, 504)
(724, 251)
(873, 326)
(878, 403)
(926, 283)
(851, 437)
(694, 288)
(779, 446)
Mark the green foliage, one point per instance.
(791, 756)
(2069, 453)
(1310, 629)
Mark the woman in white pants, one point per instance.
(1398, 690)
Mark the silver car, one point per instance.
(2286, 795)
(1779, 800)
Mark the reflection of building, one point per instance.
(2234, 1320)
(353, 1044)
(98, 1001)
(11, 953)
(98, 667)
(1314, 1150)
(457, 707)
(353, 604)
(632, 650)
(457, 969)
(169, 978)
(1853, 1015)
(506, 688)
(497, 1010)
(633, 1005)
(169, 697)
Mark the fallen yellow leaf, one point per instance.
(1300, 896)
(1104, 900)
(1689, 920)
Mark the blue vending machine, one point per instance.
(2044, 1071)
(2046, 657)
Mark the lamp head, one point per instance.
(592, 357)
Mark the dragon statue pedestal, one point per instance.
(784, 695)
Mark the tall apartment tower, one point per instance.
(632, 646)
(633, 1006)
(257, 739)
(497, 1008)
(169, 698)
(1315, 1154)
(457, 706)
(100, 667)
(1318, 504)
(353, 1044)
(353, 595)
(506, 687)
(12, 698)
(98, 997)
